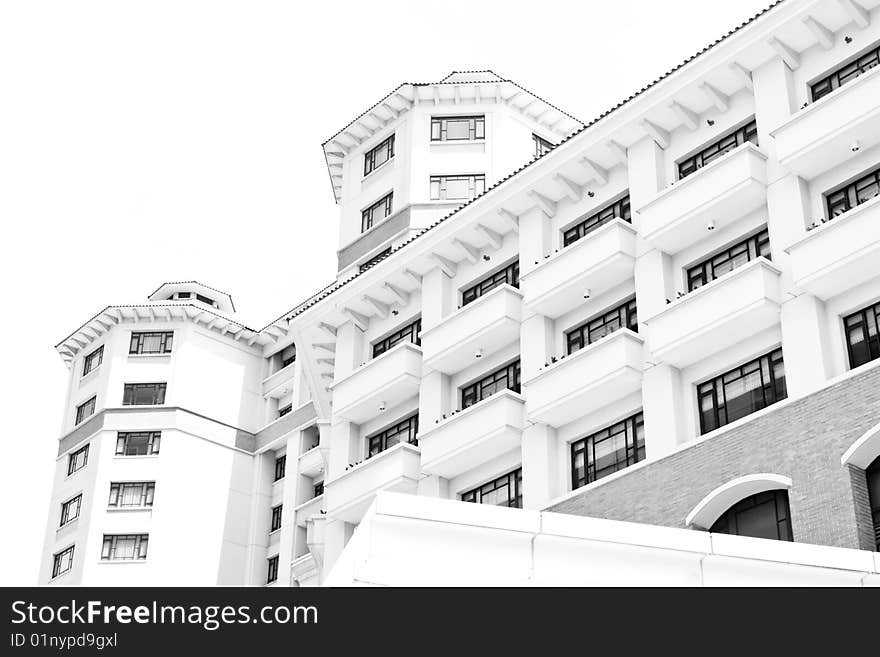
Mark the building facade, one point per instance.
(667, 315)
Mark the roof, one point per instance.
(330, 289)
(192, 286)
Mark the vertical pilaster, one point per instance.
(437, 297)
(540, 460)
(349, 350)
(535, 239)
(662, 410)
(536, 344)
(435, 399)
(343, 448)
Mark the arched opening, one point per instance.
(723, 500)
(873, 474)
(762, 515)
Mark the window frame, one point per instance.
(272, 569)
(118, 489)
(729, 517)
(474, 392)
(280, 467)
(868, 319)
(370, 156)
(368, 219)
(703, 272)
(626, 314)
(136, 343)
(848, 196)
(66, 517)
(633, 430)
(713, 388)
(89, 365)
(716, 149)
(57, 561)
(619, 208)
(507, 274)
(275, 523)
(72, 459)
(364, 266)
(154, 441)
(831, 80)
(542, 146)
(318, 489)
(110, 543)
(130, 392)
(81, 410)
(476, 125)
(872, 479)
(407, 426)
(410, 332)
(476, 186)
(511, 480)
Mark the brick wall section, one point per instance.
(803, 440)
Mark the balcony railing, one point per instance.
(826, 133)
(595, 263)
(308, 509)
(716, 316)
(840, 254)
(713, 197)
(348, 495)
(471, 437)
(590, 378)
(313, 462)
(386, 380)
(489, 323)
(280, 383)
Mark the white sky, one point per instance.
(150, 142)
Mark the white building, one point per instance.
(668, 315)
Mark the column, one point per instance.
(540, 465)
(537, 344)
(535, 239)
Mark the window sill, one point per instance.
(128, 509)
(67, 525)
(58, 576)
(458, 142)
(274, 531)
(157, 356)
(85, 378)
(382, 167)
(126, 457)
(121, 561)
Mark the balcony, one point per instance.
(313, 462)
(720, 193)
(820, 136)
(597, 262)
(490, 323)
(308, 510)
(279, 384)
(473, 436)
(599, 374)
(396, 469)
(716, 316)
(391, 378)
(839, 255)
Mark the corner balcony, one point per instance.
(313, 462)
(308, 510)
(720, 193)
(489, 323)
(280, 383)
(597, 262)
(820, 136)
(391, 378)
(599, 374)
(471, 437)
(716, 316)
(839, 255)
(349, 495)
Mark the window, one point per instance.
(623, 316)
(319, 489)
(619, 209)
(873, 474)
(138, 443)
(288, 356)
(607, 451)
(206, 300)
(143, 394)
(132, 494)
(404, 431)
(542, 145)
(741, 391)
(378, 155)
(372, 261)
(124, 547)
(729, 259)
(280, 467)
(272, 575)
(276, 518)
(70, 510)
(409, 333)
(62, 562)
(376, 212)
(765, 515)
(738, 137)
(86, 409)
(853, 194)
(509, 275)
(844, 74)
(284, 410)
(93, 360)
(77, 460)
(505, 378)
(862, 335)
(151, 342)
(458, 128)
(455, 188)
(504, 491)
